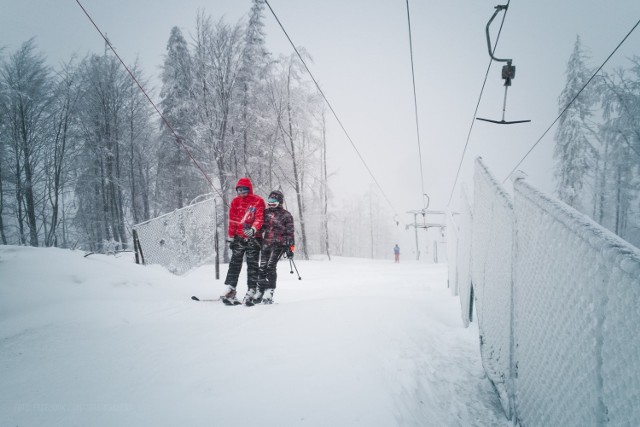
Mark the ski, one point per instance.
(195, 298)
(251, 304)
(227, 301)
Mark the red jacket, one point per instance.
(245, 212)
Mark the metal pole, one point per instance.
(217, 262)
(415, 228)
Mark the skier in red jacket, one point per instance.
(246, 215)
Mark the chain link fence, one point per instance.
(557, 302)
(180, 240)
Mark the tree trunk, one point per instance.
(20, 216)
(59, 153)
(28, 181)
(325, 197)
(603, 183)
(3, 236)
(296, 178)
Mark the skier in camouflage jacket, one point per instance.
(277, 239)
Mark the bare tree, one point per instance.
(217, 57)
(58, 159)
(25, 107)
(102, 120)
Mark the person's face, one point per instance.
(242, 191)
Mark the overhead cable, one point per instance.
(475, 113)
(415, 101)
(564, 110)
(165, 121)
(329, 105)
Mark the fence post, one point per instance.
(137, 248)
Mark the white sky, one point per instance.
(361, 58)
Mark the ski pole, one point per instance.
(294, 266)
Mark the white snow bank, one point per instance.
(102, 341)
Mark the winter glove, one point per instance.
(290, 250)
(249, 232)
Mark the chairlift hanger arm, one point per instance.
(508, 72)
(498, 9)
(503, 122)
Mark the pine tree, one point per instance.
(619, 180)
(178, 179)
(251, 83)
(574, 152)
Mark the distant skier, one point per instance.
(246, 215)
(278, 239)
(396, 252)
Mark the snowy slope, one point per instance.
(101, 341)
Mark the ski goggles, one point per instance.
(242, 190)
(273, 201)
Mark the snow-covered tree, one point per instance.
(25, 108)
(179, 181)
(296, 106)
(4, 153)
(618, 195)
(82, 157)
(574, 152)
(113, 185)
(140, 149)
(99, 188)
(251, 85)
(59, 154)
(217, 60)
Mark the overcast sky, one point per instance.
(360, 51)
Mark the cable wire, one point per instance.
(415, 100)
(329, 105)
(564, 110)
(166, 122)
(475, 113)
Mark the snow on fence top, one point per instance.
(577, 294)
(557, 302)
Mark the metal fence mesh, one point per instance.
(180, 240)
(491, 248)
(557, 295)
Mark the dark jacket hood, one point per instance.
(275, 194)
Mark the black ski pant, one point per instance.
(239, 248)
(269, 258)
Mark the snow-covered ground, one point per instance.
(101, 341)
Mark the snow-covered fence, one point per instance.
(491, 248)
(557, 304)
(180, 240)
(459, 255)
